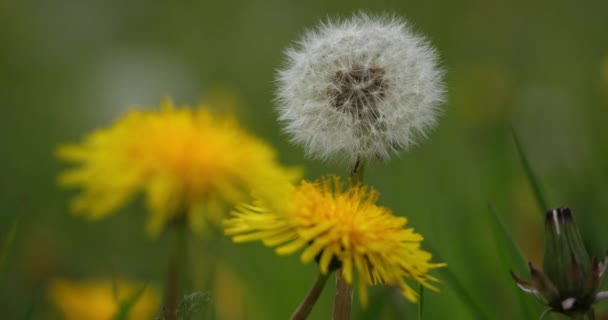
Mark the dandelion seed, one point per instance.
(362, 88)
(340, 228)
(187, 162)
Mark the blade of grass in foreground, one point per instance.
(385, 301)
(8, 243)
(33, 302)
(508, 252)
(376, 304)
(127, 305)
(462, 292)
(539, 194)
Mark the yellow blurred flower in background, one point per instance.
(186, 162)
(340, 227)
(102, 299)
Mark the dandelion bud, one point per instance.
(570, 280)
(361, 88)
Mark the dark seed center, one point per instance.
(358, 90)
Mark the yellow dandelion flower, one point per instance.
(185, 161)
(101, 299)
(343, 227)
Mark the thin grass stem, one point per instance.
(539, 193)
(8, 243)
(461, 290)
(505, 242)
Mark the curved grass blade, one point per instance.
(376, 304)
(465, 296)
(539, 194)
(34, 299)
(508, 251)
(512, 247)
(127, 305)
(8, 243)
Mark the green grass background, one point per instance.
(541, 67)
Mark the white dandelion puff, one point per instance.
(367, 87)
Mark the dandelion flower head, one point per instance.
(102, 299)
(343, 227)
(366, 87)
(187, 162)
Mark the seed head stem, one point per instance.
(344, 292)
(343, 298)
(356, 173)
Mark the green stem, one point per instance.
(311, 298)
(421, 302)
(176, 263)
(343, 298)
(356, 173)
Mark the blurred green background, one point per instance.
(69, 66)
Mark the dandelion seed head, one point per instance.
(366, 87)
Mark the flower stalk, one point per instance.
(343, 298)
(309, 301)
(177, 264)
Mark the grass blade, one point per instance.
(539, 194)
(507, 239)
(376, 304)
(8, 243)
(508, 251)
(128, 304)
(33, 302)
(465, 296)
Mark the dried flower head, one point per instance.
(187, 162)
(340, 228)
(570, 280)
(361, 88)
